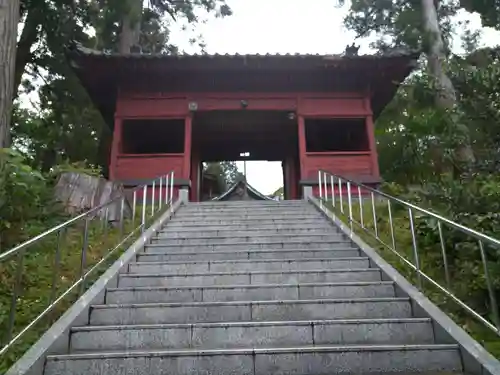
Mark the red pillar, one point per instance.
(186, 170)
(292, 168)
(115, 147)
(302, 146)
(373, 145)
(195, 176)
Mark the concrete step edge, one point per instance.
(251, 286)
(282, 260)
(250, 243)
(224, 228)
(243, 251)
(217, 352)
(252, 324)
(165, 274)
(294, 220)
(253, 303)
(333, 235)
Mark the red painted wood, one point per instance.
(175, 105)
(195, 176)
(302, 146)
(294, 181)
(234, 104)
(238, 95)
(152, 108)
(337, 164)
(307, 104)
(328, 107)
(115, 147)
(373, 145)
(187, 147)
(130, 167)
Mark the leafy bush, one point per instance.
(27, 205)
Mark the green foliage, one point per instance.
(463, 256)
(396, 23)
(64, 125)
(488, 9)
(25, 198)
(226, 172)
(38, 277)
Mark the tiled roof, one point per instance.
(77, 49)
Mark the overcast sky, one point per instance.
(283, 26)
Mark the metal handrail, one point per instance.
(327, 179)
(162, 192)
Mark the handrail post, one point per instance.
(153, 198)
(171, 187)
(143, 220)
(167, 188)
(319, 185)
(160, 195)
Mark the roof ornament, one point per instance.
(351, 50)
(338, 3)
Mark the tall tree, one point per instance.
(424, 25)
(9, 16)
(489, 10)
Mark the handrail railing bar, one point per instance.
(67, 223)
(443, 253)
(420, 274)
(103, 211)
(460, 302)
(160, 195)
(37, 319)
(68, 291)
(366, 230)
(332, 186)
(153, 199)
(361, 218)
(15, 294)
(460, 227)
(416, 257)
(491, 292)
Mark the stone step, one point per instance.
(192, 229)
(248, 232)
(275, 212)
(241, 208)
(183, 267)
(157, 254)
(193, 222)
(251, 215)
(312, 360)
(209, 204)
(248, 246)
(254, 239)
(252, 334)
(263, 292)
(282, 310)
(249, 278)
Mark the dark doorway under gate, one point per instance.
(246, 135)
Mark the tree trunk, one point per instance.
(131, 26)
(9, 18)
(28, 38)
(445, 92)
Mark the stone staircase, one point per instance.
(253, 288)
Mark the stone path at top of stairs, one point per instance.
(255, 288)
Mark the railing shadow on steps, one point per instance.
(115, 224)
(383, 221)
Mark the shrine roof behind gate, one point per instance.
(103, 73)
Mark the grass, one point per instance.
(464, 272)
(38, 289)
